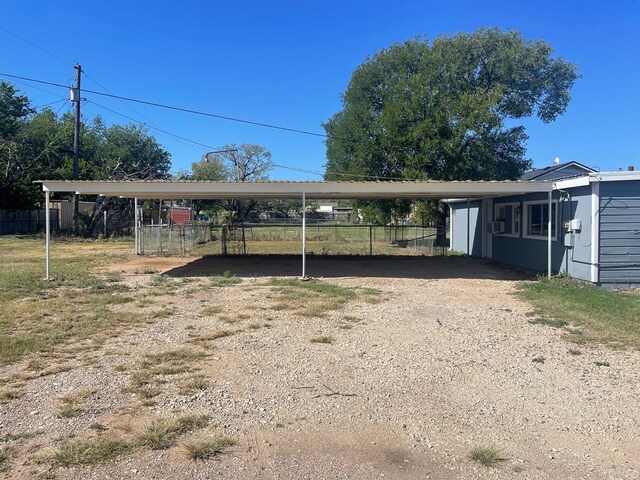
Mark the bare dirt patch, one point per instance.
(437, 359)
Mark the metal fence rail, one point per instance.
(286, 239)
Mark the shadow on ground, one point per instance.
(349, 266)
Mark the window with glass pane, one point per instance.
(538, 219)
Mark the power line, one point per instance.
(49, 104)
(121, 101)
(353, 175)
(32, 86)
(180, 109)
(36, 46)
(152, 127)
(276, 165)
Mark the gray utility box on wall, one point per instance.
(568, 240)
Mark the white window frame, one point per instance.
(514, 213)
(525, 219)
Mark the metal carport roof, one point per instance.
(175, 190)
(168, 190)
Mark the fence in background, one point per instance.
(179, 239)
(25, 221)
(286, 239)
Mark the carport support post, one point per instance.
(135, 225)
(468, 226)
(304, 235)
(549, 237)
(47, 222)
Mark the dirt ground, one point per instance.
(441, 360)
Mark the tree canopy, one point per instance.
(446, 109)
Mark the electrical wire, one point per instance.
(210, 147)
(352, 175)
(36, 46)
(49, 104)
(179, 109)
(152, 127)
(121, 101)
(31, 86)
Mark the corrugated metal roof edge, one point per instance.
(316, 182)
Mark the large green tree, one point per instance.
(446, 109)
(38, 145)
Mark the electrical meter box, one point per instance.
(569, 240)
(574, 225)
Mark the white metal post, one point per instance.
(135, 227)
(47, 222)
(549, 236)
(304, 235)
(468, 227)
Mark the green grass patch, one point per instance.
(225, 280)
(608, 317)
(38, 316)
(487, 456)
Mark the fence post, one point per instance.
(104, 217)
(223, 240)
(370, 241)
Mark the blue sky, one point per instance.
(287, 62)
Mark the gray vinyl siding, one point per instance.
(459, 227)
(620, 233)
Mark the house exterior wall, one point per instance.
(458, 227)
(576, 261)
(529, 253)
(619, 233)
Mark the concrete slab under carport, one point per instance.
(255, 266)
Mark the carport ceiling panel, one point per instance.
(316, 190)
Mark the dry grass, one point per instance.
(310, 298)
(322, 339)
(193, 384)
(73, 452)
(41, 316)
(205, 448)
(211, 311)
(204, 339)
(146, 380)
(74, 403)
(162, 432)
(5, 455)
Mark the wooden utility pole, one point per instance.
(75, 97)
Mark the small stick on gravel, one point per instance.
(333, 393)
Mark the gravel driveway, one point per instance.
(442, 360)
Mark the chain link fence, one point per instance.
(179, 239)
(286, 239)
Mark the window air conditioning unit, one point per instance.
(497, 227)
